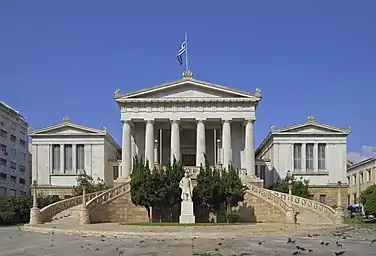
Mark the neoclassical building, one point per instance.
(189, 119)
(61, 152)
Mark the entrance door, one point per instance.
(188, 160)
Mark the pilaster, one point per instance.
(226, 143)
(62, 160)
(201, 143)
(149, 143)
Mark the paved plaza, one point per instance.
(360, 242)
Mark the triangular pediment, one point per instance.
(67, 129)
(187, 88)
(311, 128)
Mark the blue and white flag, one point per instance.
(181, 52)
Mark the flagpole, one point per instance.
(186, 52)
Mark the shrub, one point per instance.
(232, 217)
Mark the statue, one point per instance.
(186, 188)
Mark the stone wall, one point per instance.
(255, 209)
(120, 209)
(330, 191)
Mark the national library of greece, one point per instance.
(192, 120)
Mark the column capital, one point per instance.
(200, 120)
(174, 121)
(150, 121)
(226, 120)
(252, 121)
(127, 121)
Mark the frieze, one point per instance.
(135, 107)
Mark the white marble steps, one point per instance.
(69, 216)
(310, 217)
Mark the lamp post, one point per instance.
(35, 217)
(290, 214)
(339, 218)
(218, 151)
(84, 212)
(156, 152)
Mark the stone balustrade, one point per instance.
(268, 196)
(48, 212)
(320, 208)
(109, 195)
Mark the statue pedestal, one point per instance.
(35, 217)
(186, 214)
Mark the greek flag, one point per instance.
(181, 52)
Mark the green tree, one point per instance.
(87, 181)
(299, 187)
(233, 188)
(142, 185)
(368, 199)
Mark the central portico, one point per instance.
(188, 119)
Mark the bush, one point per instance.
(232, 217)
(87, 181)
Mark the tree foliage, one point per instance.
(368, 199)
(142, 186)
(87, 181)
(299, 187)
(233, 188)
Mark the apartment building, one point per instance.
(14, 155)
(359, 177)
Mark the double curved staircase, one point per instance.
(309, 211)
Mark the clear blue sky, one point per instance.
(315, 58)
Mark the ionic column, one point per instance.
(74, 159)
(315, 157)
(149, 143)
(226, 143)
(200, 143)
(126, 149)
(304, 157)
(250, 147)
(175, 140)
(62, 158)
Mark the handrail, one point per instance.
(318, 207)
(108, 195)
(49, 211)
(269, 197)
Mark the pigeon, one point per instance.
(339, 253)
(290, 241)
(374, 240)
(338, 244)
(296, 253)
(309, 235)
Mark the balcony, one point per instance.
(302, 172)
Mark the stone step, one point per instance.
(69, 216)
(306, 216)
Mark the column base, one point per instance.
(35, 217)
(84, 216)
(340, 217)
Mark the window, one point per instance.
(3, 176)
(3, 162)
(262, 171)
(13, 165)
(22, 168)
(361, 179)
(309, 156)
(22, 181)
(355, 199)
(13, 138)
(257, 171)
(321, 156)
(354, 179)
(115, 170)
(323, 199)
(348, 180)
(13, 152)
(12, 192)
(297, 156)
(22, 193)
(369, 175)
(56, 157)
(80, 157)
(3, 148)
(22, 143)
(68, 157)
(348, 200)
(3, 133)
(3, 191)
(22, 133)
(13, 179)
(22, 156)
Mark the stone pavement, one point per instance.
(14, 241)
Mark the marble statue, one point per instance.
(186, 188)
